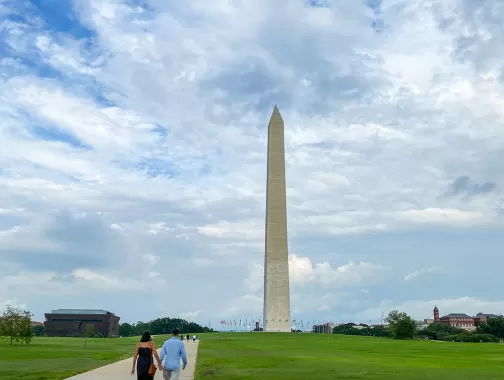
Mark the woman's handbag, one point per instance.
(152, 369)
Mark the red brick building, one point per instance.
(460, 320)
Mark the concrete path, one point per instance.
(121, 370)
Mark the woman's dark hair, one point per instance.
(146, 337)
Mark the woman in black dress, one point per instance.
(143, 357)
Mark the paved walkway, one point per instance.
(121, 370)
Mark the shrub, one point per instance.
(469, 337)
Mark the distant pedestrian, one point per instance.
(143, 358)
(194, 338)
(187, 338)
(172, 352)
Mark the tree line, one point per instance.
(16, 326)
(162, 326)
(402, 326)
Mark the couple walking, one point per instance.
(172, 352)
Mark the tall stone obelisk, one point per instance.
(276, 260)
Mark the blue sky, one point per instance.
(133, 152)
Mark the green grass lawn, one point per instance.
(59, 358)
(251, 356)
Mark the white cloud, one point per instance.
(254, 282)
(100, 280)
(248, 304)
(190, 316)
(324, 308)
(12, 303)
(351, 274)
(415, 274)
(436, 215)
(132, 150)
(300, 269)
(249, 230)
(302, 272)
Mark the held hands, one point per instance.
(160, 366)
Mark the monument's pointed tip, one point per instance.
(276, 113)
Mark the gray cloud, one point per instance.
(376, 125)
(463, 186)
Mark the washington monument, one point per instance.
(276, 260)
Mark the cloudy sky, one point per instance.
(133, 155)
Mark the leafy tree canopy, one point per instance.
(493, 326)
(38, 330)
(15, 325)
(126, 329)
(438, 331)
(162, 326)
(350, 329)
(401, 325)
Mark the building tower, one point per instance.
(436, 314)
(276, 258)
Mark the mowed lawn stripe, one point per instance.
(302, 356)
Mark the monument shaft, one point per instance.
(276, 263)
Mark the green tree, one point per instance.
(38, 330)
(350, 329)
(15, 325)
(380, 331)
(125, 329)
(438, 331)
(166, 325)
(401, 325)
(493, 326)
(141, 327)
(162, 326)
(395, 316)
(90, 332)
(471, 337)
